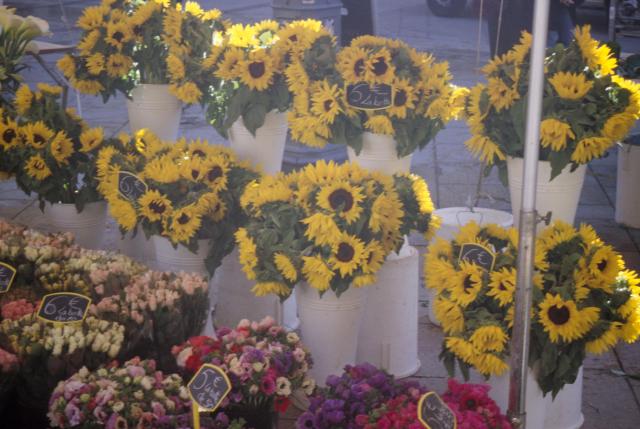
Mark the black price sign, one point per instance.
(131, 186)
(64, 307)
(7, 274)
(208, 387)
(433, 413)
(365, 96)
(479, 255)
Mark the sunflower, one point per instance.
(67, 66)
(489, 338)
(162, 170)
(502, 96)
(570, 86)
(9, 134)
(374, 256)
(285, 267)
(325, 103)
(118, 65)
(92, 17)
(606, 340)
(88, 42)
(61, 147)
(257, 70)
(554, 133)
(460, 347)
(155, 206)
(604, 266)
(489, 364)
(342, 198)
(246, 253)
(449, 314)
(483, 148)
(594, 55)
(37, 134)
(317, 273)
(404, 98)
(215, 173)
(268, 288)
(353, 64)
(379, 124)
(590, 148)
(23, 100)
(466, 284)
(118, 33)
(347, 254)
(380, 69)
(228, 67)
(37, 168)
(175, 67)
(386, 212)
(242, 36)
(321, 228)
(617, 126)
(502, 286)
(562, 320)
(124, 213)
(184, 223)
(421, 193)
(84, 86)
(91, 139)
(95, 64)
(188, 92)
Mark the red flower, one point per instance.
(199, 341)
(281, 405)
(193, 363)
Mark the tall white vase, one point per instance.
(154, 107)
(559, 196)
(452, 219)
(266, 148)
(565, 411)
(138, 248)
(329, 327)
(379, 154)
(627, 193)
(388, 336)
(87, 226)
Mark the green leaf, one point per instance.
(254, 116)
(558, 161)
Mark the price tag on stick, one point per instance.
(130, 186)
(433, 413)
(365, 96)
(208, 388)
(7, 275)
(64, 307)
(479, 255)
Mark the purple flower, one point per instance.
(306, 421)
(73, 413)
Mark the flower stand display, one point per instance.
(265, 149)
(628, 177)
(153, 107)
(559, 196)
(451, 220)
(88, 226)
(391, 342)
(379, 153)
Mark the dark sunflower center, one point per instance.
(199, 153)
(9, 135)
(380, 66)
(401, 98)
(214, 173)
(158, 207)
(195, 173)
(559, 316)
(502, 286)
(358, 67)
(257, 69)
(467, 283)
(345, 252)
(293, 38)
(341, 197)
(183, 219)
(38, 139)
(327, 105)
(602, 265)
(118, 36)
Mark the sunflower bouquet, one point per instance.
(191, 192)
(329, 225)
(53, 151)
(583, 300)
(250, 66)
(420, 101)
(129, 42)
(586, 108)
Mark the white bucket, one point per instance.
(452, 219)
(87, 226)
(236, 301)
(137, 247)
(379, 154)
(536, 404)
(266, 149)
(391, 342)
(180, 258)
(627, 193)
(559, 196)
(565, 411)
(329, 327)
(154, 107)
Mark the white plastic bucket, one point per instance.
(627, 193)
(236, 301)
(565, 411)
(180, 258)
(137, 247)
(389, 333)
(87, 226)
(329, 327)
(452, 219)
(379, 154)
(266, 149)
(559, 196)
(154, 107)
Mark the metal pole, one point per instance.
(528, 218)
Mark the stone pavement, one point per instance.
(609, 400)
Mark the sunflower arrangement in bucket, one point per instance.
(586, 108)
(329, 225)
(414, 100)
(584, 301)
(129, 42)
(52, 151)
(187, 191)
(250, 65)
